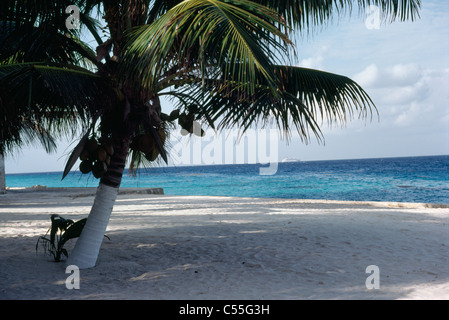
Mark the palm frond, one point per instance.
(32, 31)
(64, 88)
(329, 96)
(159, 8)
(309, 14)
(25, 133)
(27, 44)
(305, 96)
(48, 15)
(54, 100)
(205, 37)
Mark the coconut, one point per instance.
(190, 117)
(199, 133)
(164, 117)
(174, 114)
(184, 132)
(107, 146)
(85, 166)
(99, 169)
(182, 119)
(84, 155)
(93, 156)
(91, 145)
(101, 154)
(186, 121)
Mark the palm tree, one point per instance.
(226, 63)
(35, 106)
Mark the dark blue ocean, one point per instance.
(408, 179)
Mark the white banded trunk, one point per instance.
(88, 245)
(85, 252)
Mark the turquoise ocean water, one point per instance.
(408, 179)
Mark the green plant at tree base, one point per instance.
(61, 231)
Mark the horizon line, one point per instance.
(230, 164)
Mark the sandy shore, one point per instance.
(190, 247)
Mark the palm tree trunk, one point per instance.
(87, 247)
(2, 175)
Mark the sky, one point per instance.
(403, 66)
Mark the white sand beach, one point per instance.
(194, 247)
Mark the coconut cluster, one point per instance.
(145, 143)
(186, 121)
(96, 157)
(96, 154)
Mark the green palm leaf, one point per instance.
(53, 99)
(305, 96)
(309, 14)
(28, 43)
(24, 132)
(42, 100)
(64, 88)
(329, 96)
(234, 39)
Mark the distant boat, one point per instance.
(290, 160)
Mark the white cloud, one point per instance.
(399, 75)
(312, 62)
(408, 95)
(404, 74)
(406, 116)
(368, 77)
(316, 61)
